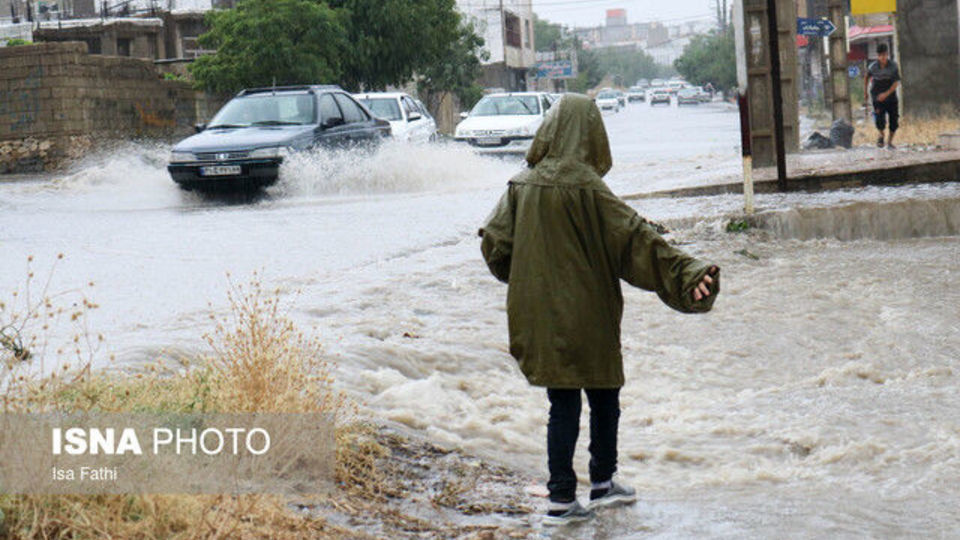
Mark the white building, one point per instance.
(506, 27)
(665, 53)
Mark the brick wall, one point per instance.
(56, 93)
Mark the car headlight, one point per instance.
(181, 157)
(524, 131)
(270, 152)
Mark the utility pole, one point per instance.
(773, 34)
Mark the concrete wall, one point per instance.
(929, 56)
(56, 93)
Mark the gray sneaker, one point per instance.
(615, 495)
(575, 514)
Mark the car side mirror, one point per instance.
(332, 122)
(200, 126)
(413, 116)
(464, 115)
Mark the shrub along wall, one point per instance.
(55, 99)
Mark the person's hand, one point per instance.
(702, 290)
(883, 96)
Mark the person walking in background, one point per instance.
(883, 79)
(562, 241)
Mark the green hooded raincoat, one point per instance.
(563, 241)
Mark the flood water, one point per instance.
(820, 398)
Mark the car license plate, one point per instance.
(220, 170)
(489, 141)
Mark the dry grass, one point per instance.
(912, 131)
(260, 362)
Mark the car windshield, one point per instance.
(688, 92)
(386, 108)
(267, 110)
(607, 95)
(506, 105)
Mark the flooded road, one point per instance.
(819, 399)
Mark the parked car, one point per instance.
(408, 120)
(247, 140)
(503, 122)
(608, 100)
(658, 95)
(688, 96)
(636, 93)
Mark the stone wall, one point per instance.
(55, 97)
(929, 56)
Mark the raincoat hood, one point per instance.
(571, 144)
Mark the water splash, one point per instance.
(394, 167)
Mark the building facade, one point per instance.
(507, 30)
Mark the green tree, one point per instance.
(262, 42)
(710, 59)
(547, 36)
(589, 72)
(627, 65)
(457, 71)
(390, 40)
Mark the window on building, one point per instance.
(123, 46)
(511, 25)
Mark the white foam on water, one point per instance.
(393, 167)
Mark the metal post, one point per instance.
(745, 151)
(773, 30)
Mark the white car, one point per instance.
(409, 119)
(503, 123)
(608, 100)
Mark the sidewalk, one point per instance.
(819, 170)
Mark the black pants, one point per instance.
(883, 109)
(563, 429)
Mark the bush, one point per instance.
(260, 361)
(16, 42)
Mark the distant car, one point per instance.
(676, 85)
(658, 95)
(247, 140)
(688, 96)
(608, 101)
(636, 93)
(621, 97)
(408, 121)
(658, 83)
(702, 94)
(503, 123)
(643, 84)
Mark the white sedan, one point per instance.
(608, 100)
(409, 119)
(504, 123)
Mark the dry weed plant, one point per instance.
(260, 362)
(921, 131)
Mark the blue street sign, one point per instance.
(814, 27)
(853, 71)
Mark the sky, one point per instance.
(593, 12)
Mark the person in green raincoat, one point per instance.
(562, 241)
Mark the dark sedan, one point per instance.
(245, 143)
